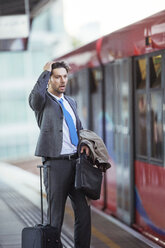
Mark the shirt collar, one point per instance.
(56, 97)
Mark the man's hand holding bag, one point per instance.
(88, 177)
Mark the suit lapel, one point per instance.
(73, 106)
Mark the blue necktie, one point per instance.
(70, 124)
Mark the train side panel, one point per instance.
(150, 199)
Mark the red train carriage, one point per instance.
(118, 82)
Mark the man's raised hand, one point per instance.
(48, 66)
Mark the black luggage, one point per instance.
(41, 236)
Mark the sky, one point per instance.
(110, 15)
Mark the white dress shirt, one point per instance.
(67, 146)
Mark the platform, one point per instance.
(20, 207)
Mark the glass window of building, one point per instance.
(18, 74)
(141, 73)
(155, 71)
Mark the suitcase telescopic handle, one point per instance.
(41, 192)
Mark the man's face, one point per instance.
(58, 81)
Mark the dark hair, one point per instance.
(60, 64)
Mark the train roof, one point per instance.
(142, 37)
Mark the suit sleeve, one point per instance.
(37, 96)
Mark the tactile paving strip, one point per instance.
(19, 207)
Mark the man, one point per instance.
(59, 125)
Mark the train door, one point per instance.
(118, 109)
(149, 73)
(78, 87)
(96, 116)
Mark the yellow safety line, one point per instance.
(109, 243)
(104, 238)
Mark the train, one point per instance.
(118, 82)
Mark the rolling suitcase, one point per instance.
(42, 236)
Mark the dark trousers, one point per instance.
(62, 185)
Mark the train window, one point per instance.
(141, 73)
(155, 71)
(74, 86)
(156, 126)
(125, 97)
(79, 89)
(96, 100)
(142, 125)
(96, 79)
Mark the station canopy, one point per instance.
(15, 21)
